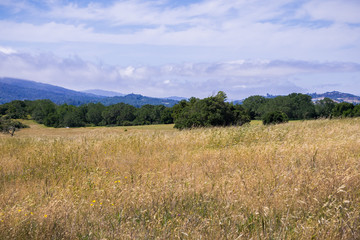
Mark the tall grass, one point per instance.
(299, 180)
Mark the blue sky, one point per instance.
(184, 48)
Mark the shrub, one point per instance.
(9, 126)
(275, 118)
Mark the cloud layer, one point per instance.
(293, 29)
(238, 78)
(185, 48)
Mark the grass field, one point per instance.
(299, 180)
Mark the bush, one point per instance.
(275, 118)
(9, 126)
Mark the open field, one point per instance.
(299, 180)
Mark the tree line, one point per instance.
(92, 114)
(211, 111)
(297, 106)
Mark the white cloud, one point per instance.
(137, 12)
(139, 33)
(253, 29)
(7, 50)
(48, 32)
(238, 78)
(16, 6)
(341, 11)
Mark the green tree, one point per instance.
(295, 106)
(166, 116)
(211, 111)
(119, 114)
(94, 113)
(253, 105)
(149, 114)
(41, 109)
(16, 109)
(302, 106)
(3, 109)
(82, 111)
(324, 107)
(356, 111)
(343, 109)
(69, 116)
(179, 107)
(275, 118)
(52, 120)
(241, 116)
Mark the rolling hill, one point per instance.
(103, 93)
(336, 96)
(18, 89)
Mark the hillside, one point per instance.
(336, 96)
(138, 100)
(18, 89)
(103, 93)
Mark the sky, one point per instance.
(186, 48)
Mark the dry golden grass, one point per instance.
(299, 180)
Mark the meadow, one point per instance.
(299, 180)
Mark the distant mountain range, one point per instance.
(104, 93)
(336, 96)
(19, 89)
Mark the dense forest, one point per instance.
(211, 111)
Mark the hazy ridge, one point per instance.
(19, 89)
